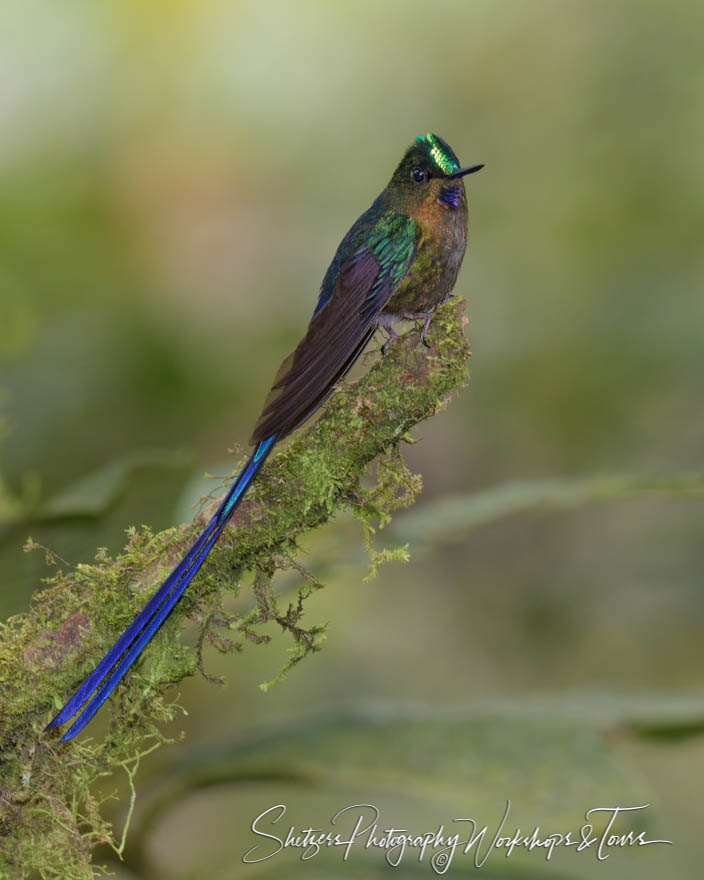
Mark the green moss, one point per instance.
(50, 817)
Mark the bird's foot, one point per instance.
(426, 317)
(386, 324)
(389, 339)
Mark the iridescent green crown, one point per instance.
(440, 153)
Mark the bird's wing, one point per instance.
(340, 329)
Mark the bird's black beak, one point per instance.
(469, 170)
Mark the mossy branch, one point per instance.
(50, 816)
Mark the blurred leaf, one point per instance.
(13, 506)
(450, 517)
(663, 714)
(462, 760)
(92, 495)
(93, 512)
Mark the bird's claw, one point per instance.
(426, 324)
(426, 317)
(389, 339)
(384, 348)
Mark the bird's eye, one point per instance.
(418, 175)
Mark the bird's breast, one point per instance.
(439, 252)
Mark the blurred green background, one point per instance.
(174, 179)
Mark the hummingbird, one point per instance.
(398, 261)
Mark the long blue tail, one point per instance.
(112, 668)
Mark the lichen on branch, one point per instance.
(50, 817)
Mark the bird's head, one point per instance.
(430, 172)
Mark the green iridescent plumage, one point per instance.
(441, 154)
(392, 242)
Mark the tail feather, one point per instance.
(109, 660)
(150, 618)
(141, 641)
